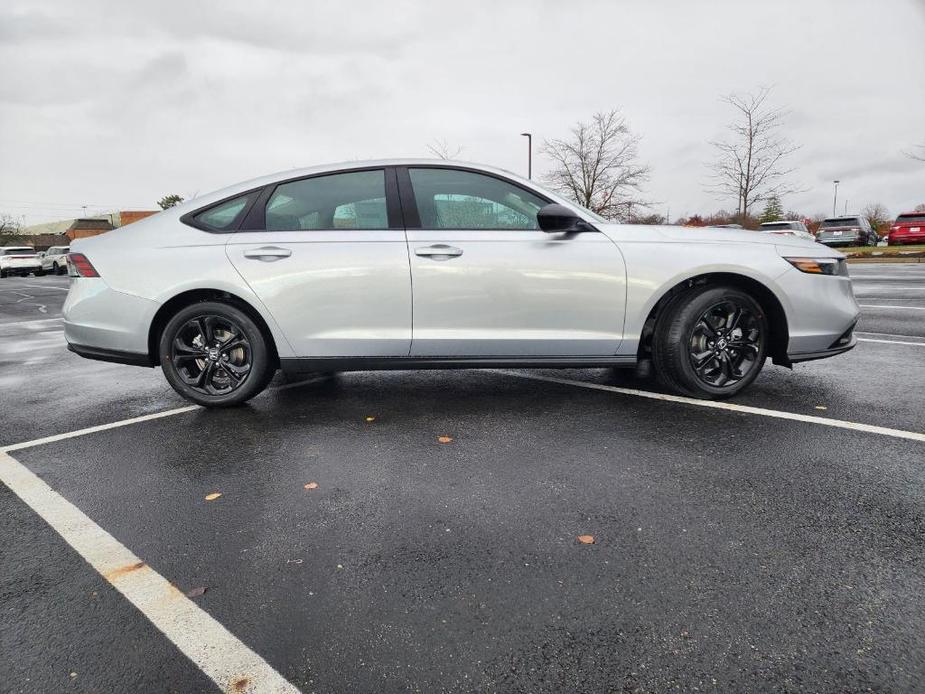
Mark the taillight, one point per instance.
(79, 266)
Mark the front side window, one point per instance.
(224, 215)
(354, 200)
(454, 199)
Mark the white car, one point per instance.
(788, 227)
(405, 264)
(19, 260)
(54, 260)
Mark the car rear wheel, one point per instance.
(215, 355)
(710, 342)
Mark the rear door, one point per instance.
(327, 256)
(488, 282)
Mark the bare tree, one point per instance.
(9, 225)
(750, 163)
(598, 166)
(878, 215)
(442, 150)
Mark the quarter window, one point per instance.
(224, 215)
(455, 199)
(354, 200)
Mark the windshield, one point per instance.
(18, 251)
(842, 222)
(911, 219)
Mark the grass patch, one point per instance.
(884, 251)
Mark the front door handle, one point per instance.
(267, 253)
(439, 251)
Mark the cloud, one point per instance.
(143, 99)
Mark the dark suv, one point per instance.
(847, 231)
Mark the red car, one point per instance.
(909, 227)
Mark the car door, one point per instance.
(327, 256)
(488, 282)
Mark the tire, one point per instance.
(39, 273)
(55, 270)
(2, 273)
(215, 355)
(694, 331)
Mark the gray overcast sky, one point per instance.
(115, 104)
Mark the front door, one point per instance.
(488, 283)
(327, 256)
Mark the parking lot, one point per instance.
(776, 542)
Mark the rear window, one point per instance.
(769, 226)
(17, 251)
(910, 219)
(842, 222)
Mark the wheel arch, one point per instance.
(193, 296)
(764, 295)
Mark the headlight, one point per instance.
(820, 266)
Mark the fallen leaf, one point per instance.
(196, 592)
(586, 539)
(213, 496)
(370, 419)
(821, 407)
(311, 485)
(445, 439)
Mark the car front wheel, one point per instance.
(215, 355)
(710, 342)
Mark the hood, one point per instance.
(714, 235)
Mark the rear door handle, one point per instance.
(267, 253)
(439, 251)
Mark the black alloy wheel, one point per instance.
(725, 344)
(710, 342)
(216, 355)
(211, 354)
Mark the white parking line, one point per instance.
(126, 422)
(902, 308)
(215, 650)
(867, 332)
(95, 429)
(744, 409)
(30, 322)
(891, 342)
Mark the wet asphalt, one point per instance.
(733, 552)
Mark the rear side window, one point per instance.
(352, 200)
(225, 215)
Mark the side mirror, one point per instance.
(558, 219)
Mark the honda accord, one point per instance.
(408, 264)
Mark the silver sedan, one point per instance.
(406, 264)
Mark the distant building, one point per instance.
(82, 228)
(116, 218)
(60, 233)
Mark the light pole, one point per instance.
(529, 137)
(835, 199)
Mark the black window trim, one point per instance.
(409, 202)
(254, 213)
